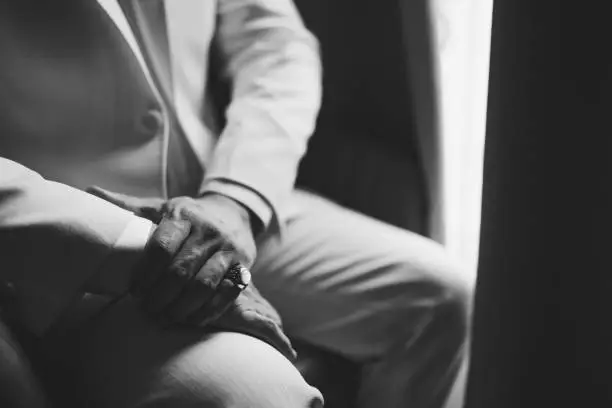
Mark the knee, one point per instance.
(453, 289)
(231, 370)
(440, 290)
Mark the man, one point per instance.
(142, 293)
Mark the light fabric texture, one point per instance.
(274, 63)
(274, 66)
(56, 238)
(379, 295)
(124, 359)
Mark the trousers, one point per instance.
(388, 299)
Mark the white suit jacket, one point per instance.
(54, 237)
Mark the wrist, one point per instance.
(115, 274)
(251, 219)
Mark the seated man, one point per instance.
(140, 292)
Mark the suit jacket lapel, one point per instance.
(148, 21)
(116, 14)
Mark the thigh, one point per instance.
(124, 359)
(350, 283)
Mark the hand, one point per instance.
(181, 277)
(226, 308)
(252, 314)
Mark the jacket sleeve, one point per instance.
(55, 240)
(273, 64)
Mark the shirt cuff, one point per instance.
(135, 235)
(115, 276)
(246, 196)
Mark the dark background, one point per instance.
(543, 314)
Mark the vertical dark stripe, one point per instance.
(543, 311)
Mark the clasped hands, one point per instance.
(180, 279)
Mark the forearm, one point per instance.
(274, 65)
(55, 239)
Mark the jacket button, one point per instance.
(152, 122)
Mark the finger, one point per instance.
(200, 289)
(257, 325)
(223, 299)
(192, 297)
(251, 299)
(150, 208)
(163, 293)
(194, 253)
(161, 248)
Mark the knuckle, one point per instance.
(221, 261)
(180, 271)
(209, 232)
(160, 247)
(206, 283)
(228, 245)
(189, 255)
(224, 257)
(207, 279)
(178, 207)
(246, 259)
(243, 253)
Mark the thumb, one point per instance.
(150, 208)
